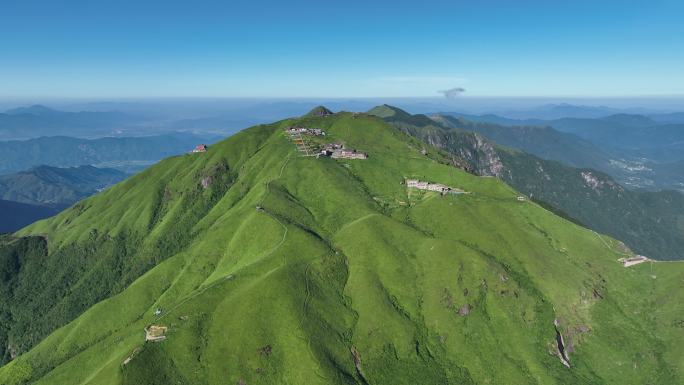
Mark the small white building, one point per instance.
(412, 182)
(438, 188)
(348, 154)
(305, 131)
(420, 185)
(627, 262)
(200, 148)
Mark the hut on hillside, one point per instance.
(348, 154)
(437, 187)
(155, 333)
(200, 148)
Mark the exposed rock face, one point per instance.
(474, 153)
(464, 310)
(357, 363)
(491, 160)
(215, 174)
(591, 180)
(12, 350)
(206, 182)
(560, 342)
(598, 182)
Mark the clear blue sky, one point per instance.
(343, 48)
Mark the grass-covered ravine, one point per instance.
(272, 268)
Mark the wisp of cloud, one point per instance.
(452, 93)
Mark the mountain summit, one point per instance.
(36, 109)
(387, 111)
(319, 111)
(258, 263)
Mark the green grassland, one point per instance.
(273, 268)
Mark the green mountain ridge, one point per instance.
(649, 222)
(269, 267)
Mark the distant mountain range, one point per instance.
(650, 222)
(42, 192)
(574, 111)
(57, 187)
(562, 110)
(542, 141)
(128, 153)
(638, 150)
(37, 120)
(623, 134)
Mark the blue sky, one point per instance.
(341, 49)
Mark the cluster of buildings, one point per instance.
(305, 131)
(337, 151)
(437, 187)
(332, 150)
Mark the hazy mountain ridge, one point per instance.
(554, 111)
(542, 141)
(634, 149)
(57, 187)
(122, 153)
(615, 131)
(37, 120)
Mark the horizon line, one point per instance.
(436, 97)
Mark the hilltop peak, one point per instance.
(393, 114)
(387, 111)
(631, 120)
(319, 111)
(36, 109)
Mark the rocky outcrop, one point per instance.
(464, 310)
(206, 181)
(472, 152)
(560, 342)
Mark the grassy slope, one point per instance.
(337, 267)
